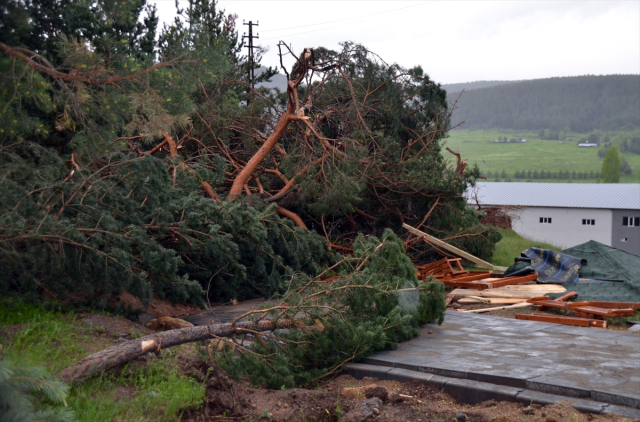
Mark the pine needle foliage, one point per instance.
(26, 394)
(124, 226)
(376, 302)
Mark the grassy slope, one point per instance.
(533, 155)
(156, 391)
(511, 245)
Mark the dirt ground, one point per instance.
(390, 401)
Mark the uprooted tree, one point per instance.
(137, 162)
(320, 323)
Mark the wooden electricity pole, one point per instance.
(251, 74)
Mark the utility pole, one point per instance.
(251, 75)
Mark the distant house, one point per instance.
(568, 214)
(587, 145)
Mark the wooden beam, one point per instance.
(565, 297)
(490, 301)
(452, 249)
(499, 308)
(508, 281)
(564, 320)
(607, 305)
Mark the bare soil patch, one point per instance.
(406, 401)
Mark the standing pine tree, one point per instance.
(611, 166)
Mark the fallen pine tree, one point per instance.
(314, 328)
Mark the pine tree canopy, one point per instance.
(137, 159)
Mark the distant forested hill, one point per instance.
(580, 104)
(467, 86)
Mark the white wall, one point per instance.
(566, 229)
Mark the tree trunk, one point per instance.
(124, 352)
(288, 116)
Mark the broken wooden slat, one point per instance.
(565, 320)
(453, 249)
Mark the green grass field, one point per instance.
(511, 245)
(533, 155)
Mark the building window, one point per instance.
(545, 220)
(588, 222)
(624, 239)
(631, 221)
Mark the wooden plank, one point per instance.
(506, 281)
(603, 312)
(464, 284)
(565, 297)
(551, 288)
(499, 308)
(551, 304)
(538, 299)
(564, 320)
(507, 292)
(491, 301)
(453, 249)
(607, 305)
(468, 277)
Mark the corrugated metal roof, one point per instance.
(561, 195)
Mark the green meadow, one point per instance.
(535, 154)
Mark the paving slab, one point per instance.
(576, 362)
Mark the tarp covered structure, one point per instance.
(605, 263)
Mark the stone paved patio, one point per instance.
(570, 361)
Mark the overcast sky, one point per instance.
(457, 41)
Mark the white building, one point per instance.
(568, 214)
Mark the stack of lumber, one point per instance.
(585, 314)
(507, 294)
(513, 296)
(451, 273)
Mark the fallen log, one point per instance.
(127, 351)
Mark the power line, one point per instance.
(347, 19)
